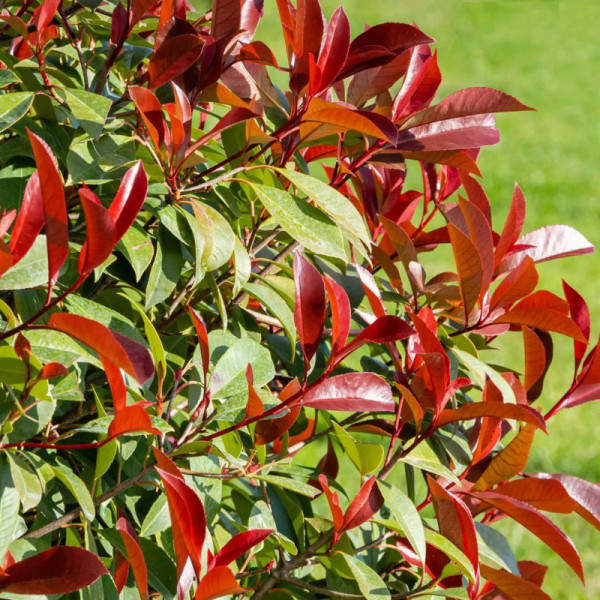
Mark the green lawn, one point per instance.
(546, 53)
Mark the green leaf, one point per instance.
(451, 551)
(157, 519)
(26, 482)
(370, 584)
(405, 512)
(305, 223)
(77, 489)
(243, 266)
(366, 456)
(7, 77)
(156, 346)
(90, 110)
(276, 305)
(229, 375)
(219, 238)
(14, 107)
(9, 509)
(424, 458)
(335, 204)
(29, 272)
(287, 483)
(166, 269)
(494, 547)
(479, 370)
(108, 317)
(136, 246)
(98, 161)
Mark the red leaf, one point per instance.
(129, 199)
(455, 521)
(30, 219)
(394, 38)
(308, 36)
(255, 406)
(59, 570)
(55, 208)
(469, 268)
(202, 335)
(366, 503)
(341, 119)
(535, 358)
(226, 18)
(334, 506)
(466, 103)
(116, 384)
(45, 14)
(516, 285)
(544, 319)
(121, 570)
(548, 243)
(580, 313)
(371, 290)
(151, 112)
(420, 82)
(166, 464)
(123, 352)
(585, 494)
(181, 122)
(132, 418)
(135, 556)
(187, 517)
(352, 392)
(268, 430)
(515, 587)
(238, 545)
(543, 494)
(538, 524)
(100, 236)
(52, 370)
(335, 49)
(384, 330)
(118, 32)
(218, 582)
(371, 82)
(309, 310)
(476, 410)
(454, 134)
(340, 314)
(233, 117)
(513, 226)
(251, 13)
(173, 57)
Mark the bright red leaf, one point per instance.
(135, 556)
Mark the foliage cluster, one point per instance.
(224, 370)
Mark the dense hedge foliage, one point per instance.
(249, 306)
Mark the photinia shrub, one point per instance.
(249, 306)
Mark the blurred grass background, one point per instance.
(546, 53)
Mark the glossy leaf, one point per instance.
(29, 221)
(131, 419)
(173, 57)
(309, 309)
(364, 505)
(218, 582)
(129, 199)
(509, 462)
(187, 517)
(123, 352)
(239, 544)
(100, 236)
(135, 556)
(539, 525)
(58, 570)
(55, 208)
(352, 392)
